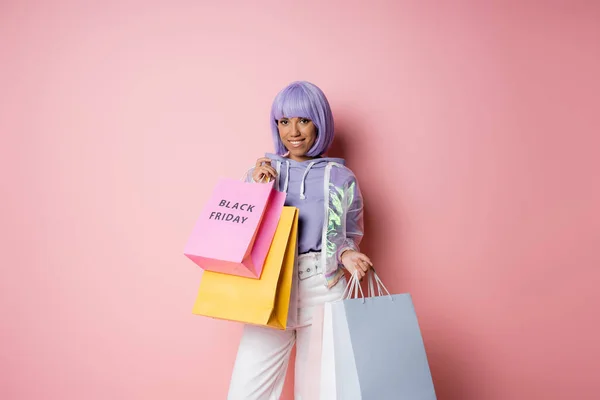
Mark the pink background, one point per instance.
(473, 129)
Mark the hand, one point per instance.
(263, 170)
(356, 262)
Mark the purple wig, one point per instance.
(303, 100)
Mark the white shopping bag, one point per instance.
(328, 378)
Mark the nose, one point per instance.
(295, 128)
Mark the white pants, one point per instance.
(263, 355)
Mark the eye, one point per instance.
(304, 121)
(283, 121)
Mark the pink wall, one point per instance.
(473, 129)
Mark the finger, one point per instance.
(366, 259)
(367, 262)
(363, 265)
(256, 176)
(271, 170)
(259, 176)
(359, 266)
(268, 172)
(262, 160)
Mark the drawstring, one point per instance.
(278, 168)
(287, 177)
(302, 196)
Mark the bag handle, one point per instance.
(354, 285)
(374, 278)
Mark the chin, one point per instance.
(298, 153)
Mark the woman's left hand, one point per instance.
(356, 262)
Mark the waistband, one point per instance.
(309, 264)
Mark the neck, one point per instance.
(300, 158)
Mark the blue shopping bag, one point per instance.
(378, 349)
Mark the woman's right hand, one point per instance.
(263, 170)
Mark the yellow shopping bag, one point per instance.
(264, 301)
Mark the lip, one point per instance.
(296, 142)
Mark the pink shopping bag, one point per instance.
(235, 228)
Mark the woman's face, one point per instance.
(298, 136)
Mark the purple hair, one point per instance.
(303, 100)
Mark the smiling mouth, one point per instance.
(296, 143)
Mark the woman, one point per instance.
(329, 231)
